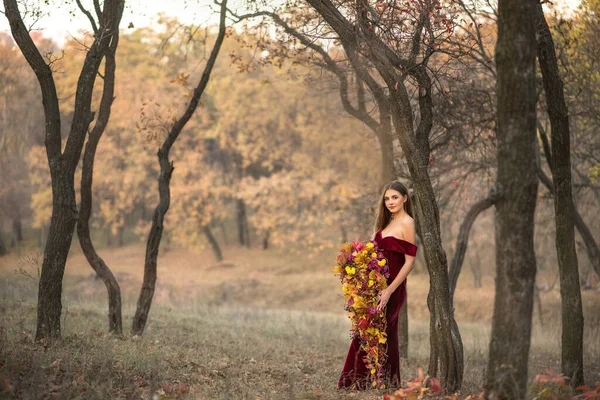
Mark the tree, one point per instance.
(371, 33)
(517, 185)
(62, 163)
(115, 322)
(166, 170)
(564, 209)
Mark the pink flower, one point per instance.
(358, 246)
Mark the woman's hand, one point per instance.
(384, 297)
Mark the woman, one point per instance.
(395, 236)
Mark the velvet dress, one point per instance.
(355, 373)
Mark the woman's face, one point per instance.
(394, 200)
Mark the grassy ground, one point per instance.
(264, 324)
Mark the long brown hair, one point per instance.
(383, 214)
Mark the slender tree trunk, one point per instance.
(462, 241)
(3, 250)
(386, 144)
(242, 223)
(213, 243)
(166, 170)
(572, 311)
(403, 330)
(343, 234)
(115, 320)
(506, 375)
(476, 268)
(17, 229)
(266, 240)
(224, 234)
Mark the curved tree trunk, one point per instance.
(462, 241)
(115, 321)
(570, 290)
(214, 244)
(506, 375)
(166, 170)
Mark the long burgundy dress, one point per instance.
(355, 373)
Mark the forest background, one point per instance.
(270, 175)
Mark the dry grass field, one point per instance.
(261, 325)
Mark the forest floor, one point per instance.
(261, 325)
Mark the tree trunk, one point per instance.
(572, 312)
(403, 330)
(446, 350)
(516, 183)
(266, 240)
(115, 321)
(224, 234)
(60, 234)
(242, 223)
(462, 241)
(476, 268)
(3, 250)
(17, 229)
(213, 243)
(166, 170)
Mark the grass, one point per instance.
(263, 325)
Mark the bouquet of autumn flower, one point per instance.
(363, 271)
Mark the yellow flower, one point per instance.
(382, 339)
(374, 255)
(371, 282)
(364, 252)
(381, 262)
(337, 270)
(374, 384)
(351, 270)
(373, 371)
(369, 246)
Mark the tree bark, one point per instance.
(115, 321)
(462, 241)
(572, 310)
(214, 244)
(62, 164)
(166, 170)
(506, 375)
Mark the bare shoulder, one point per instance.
(408, 228)
(408, 221)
